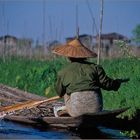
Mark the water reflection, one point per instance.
(100, 133)
(17, 131)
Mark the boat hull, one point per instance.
(88, 120)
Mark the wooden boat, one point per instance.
(104, 118)
(88, 120)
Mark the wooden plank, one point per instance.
(108, 113)
(20, 119)
(62, 120)
(15, 92)
(9, 95)
(88, 119)
(8, 100)
(37, 121)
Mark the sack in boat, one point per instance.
(85, 102)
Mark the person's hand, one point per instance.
(124, 80)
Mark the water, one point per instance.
(112, 133)
(10, 130)
(16, 131)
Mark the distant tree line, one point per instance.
(136, 34)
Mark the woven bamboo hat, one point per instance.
(74, 49)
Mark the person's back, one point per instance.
(79, 76)
(80, 81)
(80, 84)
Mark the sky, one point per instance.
(56, 19)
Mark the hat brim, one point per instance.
(76, 52)
(74, 49)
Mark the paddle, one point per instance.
(24, 105)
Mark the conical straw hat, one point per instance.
(74, 49)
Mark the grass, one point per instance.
(30, 75)
(129, 93)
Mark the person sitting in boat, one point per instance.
(81, 81)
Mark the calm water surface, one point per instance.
(10, 130)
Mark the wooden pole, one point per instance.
(77, 27)
(24, 105)
(100, 31)
(93, 19)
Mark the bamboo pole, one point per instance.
(92, 17)
(100, 31)
(24, 105)
(77, 27)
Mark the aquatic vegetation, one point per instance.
(30, 75)
(128, 94)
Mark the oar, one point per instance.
(24, 105)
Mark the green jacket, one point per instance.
(83, 76)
